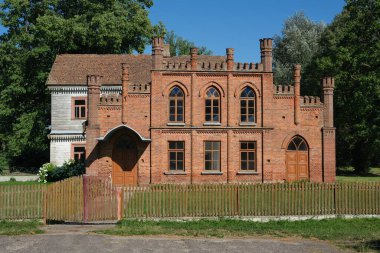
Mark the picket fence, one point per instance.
(279, 199)
(87, 198)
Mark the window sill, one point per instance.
(175, 173)
(247, 124)
(247, 173)
(175, 124)
(212, 124)
(211, 173)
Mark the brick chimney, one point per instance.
(266, 54)
(328, 85)
(166, 51)
(157, 52)
(92, 130)
(125, 84)
(297, 93)
(230, 58)
(328, 131)
(194, 58)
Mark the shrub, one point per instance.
(12, 179)
(69, 168)
(44, 171)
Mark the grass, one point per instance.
(349, 175)
(20, 227)
(19, 182)
(359, 234)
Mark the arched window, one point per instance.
(212, 106)
(297, 143)
(176, 105)
(247, 106)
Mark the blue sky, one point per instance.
(218, 24)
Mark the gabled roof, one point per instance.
(72, 69)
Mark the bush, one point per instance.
(44, 171)
(52, 173)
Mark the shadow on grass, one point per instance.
(349, 172)
(367, 246)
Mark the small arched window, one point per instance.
(247, 106)
(212, 105)
(297, 143)
(176, 105)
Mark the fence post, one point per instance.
(84, 199)
(335, 204)
(44, 213)
(237, 200)
(119, 203)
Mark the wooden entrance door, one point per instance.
(297, 160)
(124, 158)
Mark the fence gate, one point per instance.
(81, 199)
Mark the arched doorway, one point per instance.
(297, 159)
(124, 156)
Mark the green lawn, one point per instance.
(20, 227)
(19, 183)
(359, 234)
(348, 175)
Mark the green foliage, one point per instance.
(296, 45)
(180, 46)
(52, 173)
(38, 30)
(350, 51)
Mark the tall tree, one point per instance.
(350, 51)
(296, 45)
(38, 30)
(181, 46)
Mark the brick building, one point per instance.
(149, 119)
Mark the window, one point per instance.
(248, 155)
(247, 106)
(212, 105)
(79, 108)
(176, 155)
(176, 105)
(212, 155)
(79, 153)
(297, 143)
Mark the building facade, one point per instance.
(154, 119)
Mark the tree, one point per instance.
(180, 46)
(38, 30)
(296, 45)
(350, 51)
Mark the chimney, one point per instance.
(93, 98)
(230, 59)
(266, 54)
(328, 85)
(157, 52)
(125, 84)
(297, 93)
(194, 58)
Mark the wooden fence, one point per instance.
(251, 200)
(21, 201)
(86, 198)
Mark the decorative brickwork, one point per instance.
(136, 116)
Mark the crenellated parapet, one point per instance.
(172, 65)
(139, 88)
(110, 99)
(212, 66)
(284, 90)
(310, 101)
(244, 66)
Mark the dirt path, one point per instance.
(78, 238)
